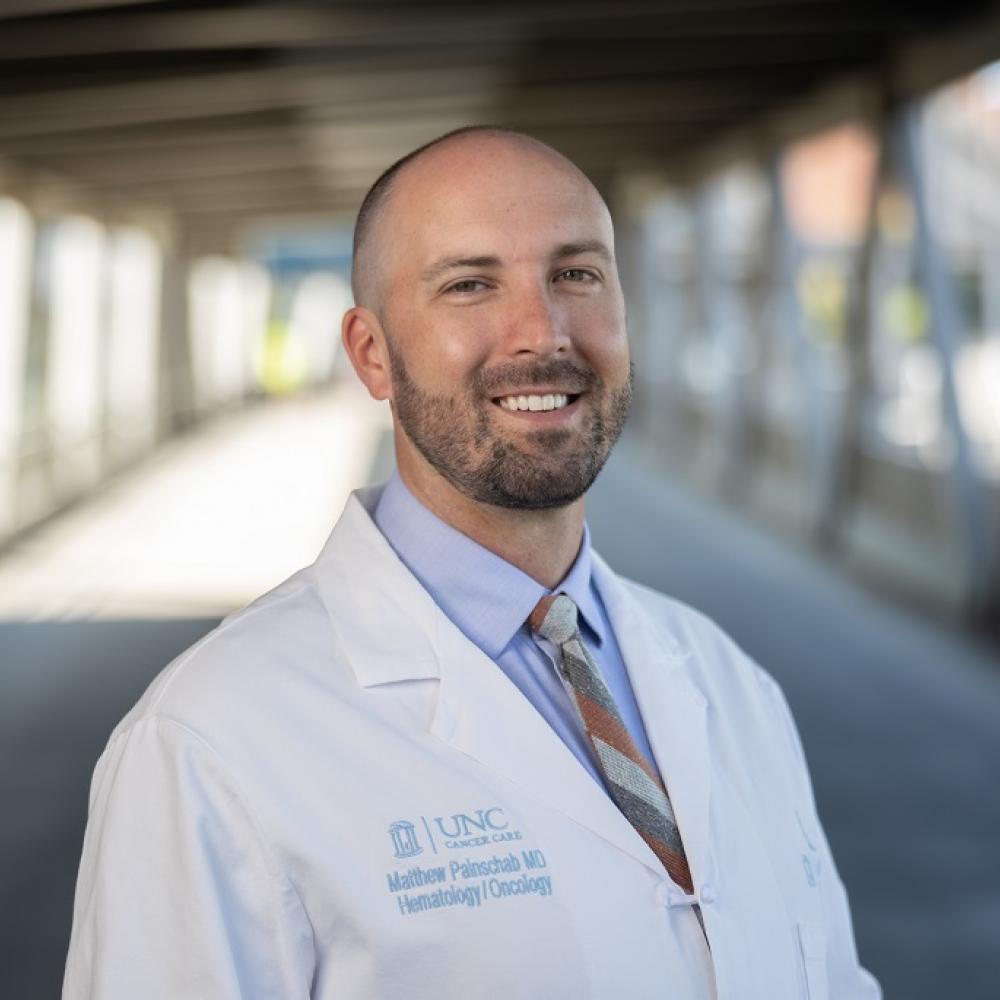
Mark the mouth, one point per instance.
(536, 402)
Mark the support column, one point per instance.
(15, 277)
(176, 396)
(967, 492)
(75, 360)
(808, 442)
(842, 478)
(726, 324)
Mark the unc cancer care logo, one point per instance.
(502, 867)
(404, 839)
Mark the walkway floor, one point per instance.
(900, 720)
(899, 717)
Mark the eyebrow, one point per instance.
(445, 264)
(585, 246)
(439, 267)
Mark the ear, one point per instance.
(364, 341)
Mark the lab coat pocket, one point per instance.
(812, 942)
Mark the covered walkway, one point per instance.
(807, 206)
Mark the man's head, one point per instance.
(485, 281)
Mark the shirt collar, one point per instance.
(488, 598)
(578, 584)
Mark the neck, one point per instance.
(541, 543)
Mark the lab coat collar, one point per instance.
(375, 604)
(392, 631)
(488, 598)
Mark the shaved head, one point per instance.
(370, 231)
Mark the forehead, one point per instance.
(495, 195)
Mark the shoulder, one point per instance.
(726, 674)
(687, 624)
(683, 628)
(246, 670)
(748, 713)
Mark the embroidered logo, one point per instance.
(404, 839)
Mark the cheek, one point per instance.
(442, 351)
(456, 347)
(462, 353)
(603, 340)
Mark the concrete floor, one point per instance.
(899, 718)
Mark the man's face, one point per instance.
(505, 324)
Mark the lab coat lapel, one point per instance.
(482, 714)
(377, 606)
(384, 620)
(673, 711)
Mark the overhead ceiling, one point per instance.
(220, 112)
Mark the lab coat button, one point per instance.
(708, 894)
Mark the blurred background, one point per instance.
(807, 202)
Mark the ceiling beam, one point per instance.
(226, 94)
(918, 65)
(294, 26)
(287, 93)
(153, 166)
(149, 101)
(255, 203)
(909, 69)
(12, 9)
(195, 187)
(243, 132)
(307, 102)
(556, 59)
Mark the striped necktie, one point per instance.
(632, 781)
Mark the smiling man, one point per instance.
(458, 755)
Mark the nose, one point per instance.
(535, 324)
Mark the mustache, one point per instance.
(568, 375)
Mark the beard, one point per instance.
(552, 468)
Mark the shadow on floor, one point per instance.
(63, 688)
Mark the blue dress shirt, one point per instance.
(489, 600)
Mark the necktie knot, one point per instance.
(554, 618)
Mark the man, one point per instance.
(458, 755)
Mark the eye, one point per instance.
(467, 286)
(577, 275)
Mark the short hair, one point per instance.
(378, 194)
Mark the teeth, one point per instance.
(553, 401)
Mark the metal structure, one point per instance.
(220, 111)
(191, 125)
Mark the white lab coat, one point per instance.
(336, 795)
